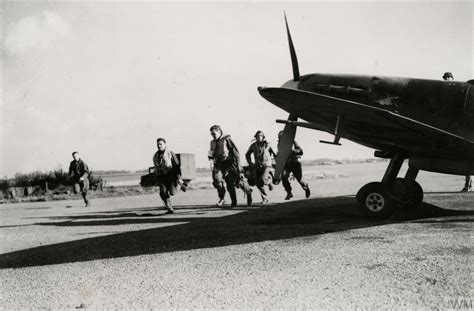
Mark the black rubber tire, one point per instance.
(374, 201)
(417, 193)
(406, 194)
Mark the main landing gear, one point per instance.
(379, 199)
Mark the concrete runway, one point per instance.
(315, 253)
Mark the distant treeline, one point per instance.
(112, 172)
(59, 177)
(53, 180)
(327, 161)
(323, 161)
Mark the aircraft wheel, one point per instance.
(417, 193)
(406, 194)
(374, 200)
(401, 193)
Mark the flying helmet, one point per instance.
(448, 75)
(259, 133)
(216, 127)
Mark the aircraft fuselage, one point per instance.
(447, 105)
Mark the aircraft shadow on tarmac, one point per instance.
(287, 220)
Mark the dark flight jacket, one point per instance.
(78, 169)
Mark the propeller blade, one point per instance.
(294, 59)
(284, 146)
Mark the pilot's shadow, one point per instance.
(274, 222)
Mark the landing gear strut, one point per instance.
(379, 199)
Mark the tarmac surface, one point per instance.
(316, 253)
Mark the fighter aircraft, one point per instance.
(428, 122)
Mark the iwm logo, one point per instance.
(460, 303)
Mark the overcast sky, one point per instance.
(106, 79)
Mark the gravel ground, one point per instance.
(315, 254)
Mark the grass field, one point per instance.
(348, 177)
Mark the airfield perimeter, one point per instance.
(315, 253)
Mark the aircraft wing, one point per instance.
(369, 126)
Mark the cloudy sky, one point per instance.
(106, 79)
